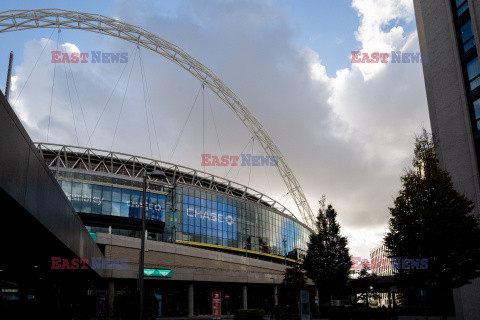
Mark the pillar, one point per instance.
(190, 299)
(275, 296)
(110, 296)
(245, 306)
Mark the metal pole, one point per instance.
(142, 244)
(9, 74)
(246, 247)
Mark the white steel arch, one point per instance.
(16, 20)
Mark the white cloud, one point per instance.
(348, 137)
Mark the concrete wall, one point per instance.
(447, 102)
(188, 263)
(25, 177)
(449, 115)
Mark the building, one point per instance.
(380, 263)
(38, 223)
(448, 32)
(205, 233)
(381, 266)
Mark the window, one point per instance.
(476, 108)
(462, 6)
(473, 71)
(467, 36)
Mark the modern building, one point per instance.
(205, 233)
(449, 33)
(38, 222)
(381, 265)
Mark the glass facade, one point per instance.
(219, 220)
(473, 71)
(191, 215)
(470, 65)
(461, 6)
(111, 201)
(467, 36)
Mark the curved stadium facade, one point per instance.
(205, 232)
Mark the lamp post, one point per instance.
(246, 246)
(284, 240)
(154, 174)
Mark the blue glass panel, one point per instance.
(107, 193)
(467, 36)
(136, 196)
(76, 196)
(124, 210)
(106, 207)
(116, 194)
(67, 188)
(97, 199)
(116, 209)
(462, 6)
(125, 195)
(210, 221)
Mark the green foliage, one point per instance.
(294, 280)
(250, 314)
(328, 260)
(431, 220)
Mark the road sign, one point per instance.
(216, 305)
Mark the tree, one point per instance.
(431, 220)
(294, 280)
(327, 261)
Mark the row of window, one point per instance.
(201, 217)
(106, 200)
(469, 55)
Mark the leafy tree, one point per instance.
(294, 280)
(327, 261)
(431, 220)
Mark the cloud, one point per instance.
(348, 137)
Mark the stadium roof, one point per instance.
(116, 163)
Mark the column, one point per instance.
(110, 296)
(190, 299)
(245, 306)
(275, 296)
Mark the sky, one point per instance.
(346, 129)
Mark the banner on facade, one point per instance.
(216, 305)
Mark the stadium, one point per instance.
(81, 210)
(205, 233)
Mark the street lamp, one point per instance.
(158, 175)
(284, 240)
(246, 246)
